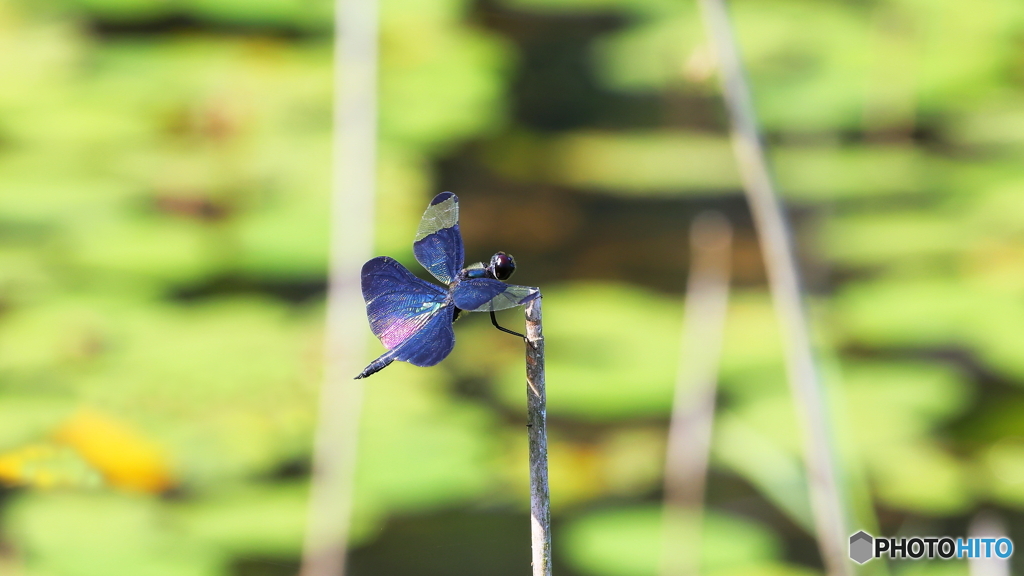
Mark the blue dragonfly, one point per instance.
(412, 317)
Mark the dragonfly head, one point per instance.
(502, 266)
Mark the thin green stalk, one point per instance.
(784, 282)
(354, 183)
(693, 409)
(988, 525)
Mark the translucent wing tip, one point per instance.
(442, 197)
(522, 295)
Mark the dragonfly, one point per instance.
(412, 317)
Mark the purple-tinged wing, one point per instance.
(431, 343)
(488, 295)
(426, 347)
(398, 304)
(438, 242)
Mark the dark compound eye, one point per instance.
(503, 266)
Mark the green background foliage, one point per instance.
(164, 186)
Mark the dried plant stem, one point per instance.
(354, 181)
(987, 525)
(689, 436)
(536, 414)
(784, 283)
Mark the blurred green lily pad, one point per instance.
(627, 542)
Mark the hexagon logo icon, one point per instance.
(860, 547)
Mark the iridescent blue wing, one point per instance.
(488, 295)
(398, 304)
(431, 343)
(426, 347)
(438, 242)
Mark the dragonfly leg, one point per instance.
(506, 330)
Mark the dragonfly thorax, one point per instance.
(500, 267)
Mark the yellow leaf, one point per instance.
(122, 454)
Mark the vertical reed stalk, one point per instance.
(783, 280)
(693, 409)
(354, 181)
(536, 415)
(987, 525)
